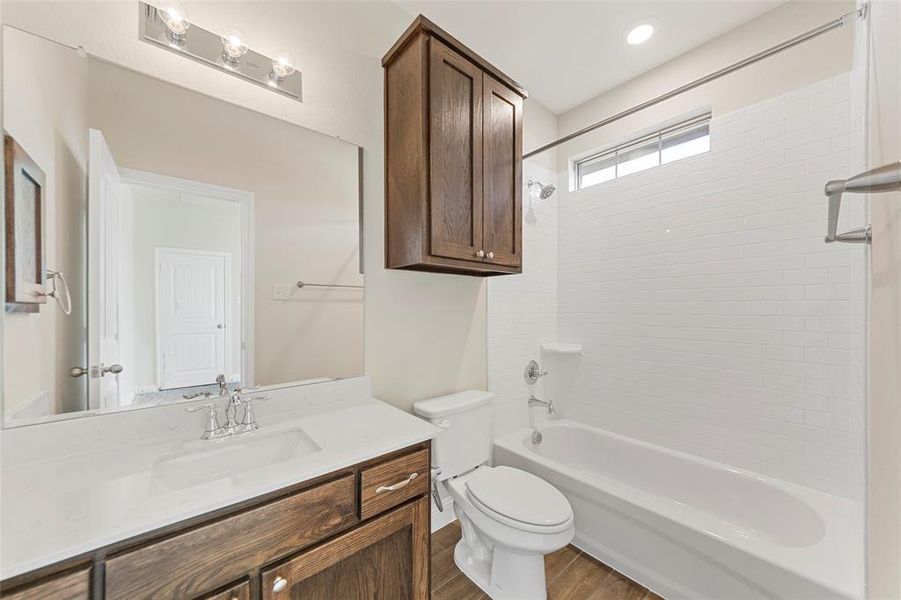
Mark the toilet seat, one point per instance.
(520, 500)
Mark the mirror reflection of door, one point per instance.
(192, 294)
(190, 272)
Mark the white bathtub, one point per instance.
(691, 528)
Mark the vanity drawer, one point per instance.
(237, 592)
(387, 484)
(72, 586)
(193, 563)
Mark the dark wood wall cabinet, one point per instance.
(356, 534)
(453, 158)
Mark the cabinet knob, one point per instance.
(490, 255)
(480, 254)
(279, 585)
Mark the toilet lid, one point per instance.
(520, 496)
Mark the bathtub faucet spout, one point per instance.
(549, 404)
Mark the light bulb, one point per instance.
(282, 65)
(175, 17)
(234, 45)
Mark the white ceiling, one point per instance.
(566, 52)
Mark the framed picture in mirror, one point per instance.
(24, 187)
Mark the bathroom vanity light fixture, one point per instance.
(168, 27)
(640, 33)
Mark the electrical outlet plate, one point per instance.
(281, 291)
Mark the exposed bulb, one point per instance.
(175, 17)
(282, 65)
(234, 45)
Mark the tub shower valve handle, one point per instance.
(533, 373)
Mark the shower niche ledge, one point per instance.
(453, 158)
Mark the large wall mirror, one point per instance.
(166, 241)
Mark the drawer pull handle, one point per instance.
(279, 585)
(398, 485)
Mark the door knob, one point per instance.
(490, 255)
(480, 254)
(279, 585)
(115, 369)
(78, 371)
(220, 326)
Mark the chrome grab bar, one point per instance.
(886, 178)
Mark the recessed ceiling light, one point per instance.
(640, 34)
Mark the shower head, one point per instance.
(545, 191)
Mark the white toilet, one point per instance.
(510, 519)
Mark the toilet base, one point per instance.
(502, 574)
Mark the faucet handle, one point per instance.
(212, 421)
(249, 422)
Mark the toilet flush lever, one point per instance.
(435, 495)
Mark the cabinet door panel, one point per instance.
(387, 557)
(502, 189)
(455, 157)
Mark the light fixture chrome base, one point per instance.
(206, 47)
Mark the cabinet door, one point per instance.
(502, 162)
(387, 557)
(455, 154)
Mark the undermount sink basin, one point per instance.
(228, 457)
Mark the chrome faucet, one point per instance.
(232, 426)
(223, 389)
(549, 404)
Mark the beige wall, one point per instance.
(805, 64)
(46, 111)
(305, 209)
(169, 219)
(424, 333)
(884, 464)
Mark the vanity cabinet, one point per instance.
(453, 158)
(358, 533)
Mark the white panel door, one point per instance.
(192, 288)
(105, 191)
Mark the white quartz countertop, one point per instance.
(62, 506)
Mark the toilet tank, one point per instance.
(465, 442)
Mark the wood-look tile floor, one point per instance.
(571, 575)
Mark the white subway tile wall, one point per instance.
(522, 309)
(713, 318)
